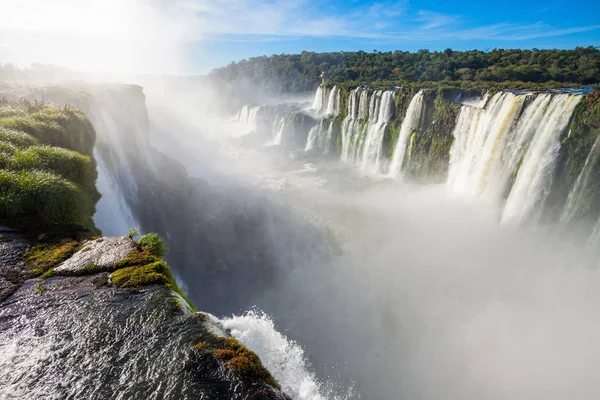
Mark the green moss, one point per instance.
(45, 256)
(139, 276)
(48, 274)
(142, 268)
(245, 364)
(136, 258)
(92, 269)
(39, 288)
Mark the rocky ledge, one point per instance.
(102, 318)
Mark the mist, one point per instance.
(393, 290)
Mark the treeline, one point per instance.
(300, 72)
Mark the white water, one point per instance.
(284, 358)
(279, 136)
(479, 141)
(318, 101)
(381, 111)
(333, 103)
(534, 178)
(247, 117)
(351, 126)
(411, 121)
(113, 215)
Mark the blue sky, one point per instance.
(193, 36)
(270, 27)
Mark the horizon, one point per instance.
(192, 37)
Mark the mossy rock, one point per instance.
(244, 363)
(43, 257)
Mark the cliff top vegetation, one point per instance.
(509, 68)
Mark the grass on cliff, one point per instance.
(42, 184)
(244, 363)
(49, 124)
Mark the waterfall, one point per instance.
(381, 110)
(279, 136)
(285, 359)
(574, 199)
(351, 126)
(412, 120)
(479, 145)
(313, 135)
(333, 103)
(318, 101)
(247, 117)
(534, 177)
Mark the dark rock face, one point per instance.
(12, 268)
(82, 338)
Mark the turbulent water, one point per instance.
(283, 357)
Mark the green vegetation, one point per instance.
(48, 274)
(39, 288)
(49, 124)
(511, 68)
(43, 257)
(137, 277)
(43, 185)
(143, 268)
(153, 243)
(244, 363)
(133, 232)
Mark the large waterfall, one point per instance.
(502, 150)
(534, 177)
(515, 138)
(411, 121)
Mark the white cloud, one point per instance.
(151, 36)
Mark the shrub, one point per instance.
(153, 243)
(52, 125)
(133, 232)
(69, 164)
(16, 138)
(44, 198)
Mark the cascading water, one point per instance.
(333, 103)
(353, 124)
(247, 117)
(411, 121)
(381, 111)
(479, 142)
(534, 177)
(281, 127)
(318, 101)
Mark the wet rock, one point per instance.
(97, 255)
(66, 337)
(12, 268)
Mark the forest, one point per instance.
(300, 72)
